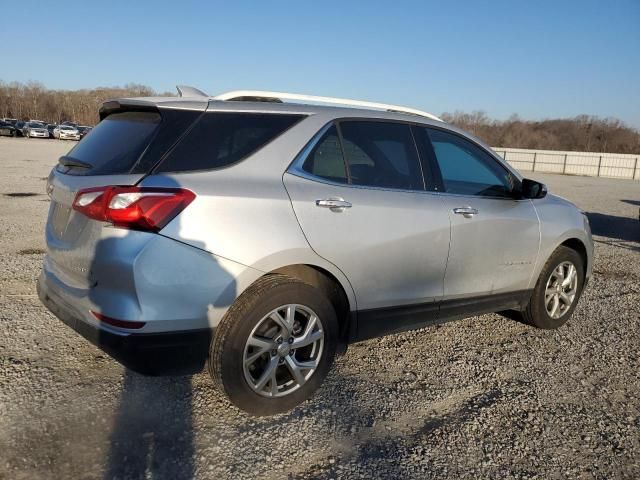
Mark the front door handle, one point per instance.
(334, 204)
(466, 212)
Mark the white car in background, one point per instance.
(66, 132)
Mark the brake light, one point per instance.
(137, 208)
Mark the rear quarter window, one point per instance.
(221, 139)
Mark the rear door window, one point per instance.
(221, 139)
(381, 154)
(116, 143)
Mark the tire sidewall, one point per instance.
(245, 319)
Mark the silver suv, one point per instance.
(265, 236)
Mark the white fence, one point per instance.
(592, 164)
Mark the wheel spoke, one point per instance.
(556, 305)
(560, 272)
(276, 317)
(254, 356)
(313, 337)
(268, 374)
(295, 370)
(309, 336)
(307, 365)
(566, 299)
(290, 316)
(570, 274)
(274, 382)
(261, 342)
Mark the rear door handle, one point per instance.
(467, 212)
(334, 204)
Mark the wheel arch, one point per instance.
(326, 281)
(577, 245)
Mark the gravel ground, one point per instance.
(485, 397)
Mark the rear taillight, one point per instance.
(137, 208)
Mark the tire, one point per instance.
(536, 313)
(244, 319)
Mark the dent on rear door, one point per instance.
(391, 245)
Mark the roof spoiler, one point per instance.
(125, 104)
(187, 91)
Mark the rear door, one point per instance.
(359, 195)
(494, 234)
(120, 151)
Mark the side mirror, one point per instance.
(533, 189)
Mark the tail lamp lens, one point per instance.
(137, 208)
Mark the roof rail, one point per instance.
(274, 96)
(187, 91)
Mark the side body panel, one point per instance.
(493, 251)
(392, 245)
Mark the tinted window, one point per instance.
(381, 154)
(326, 160)
(467, 169)
(221, 139)
(116, 142)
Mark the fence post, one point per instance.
(533, 169)
(635, 166)
(564, 165)
(599, 163)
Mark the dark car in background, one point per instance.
(19, 126)
(50, 128)
(7, 129)
(84, 130)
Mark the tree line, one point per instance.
(32, 100)
(583, 133)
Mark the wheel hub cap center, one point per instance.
(284, 349)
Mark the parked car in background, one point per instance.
(35, 129)
(84, 129)
(66, 132)
(7, 129)
(70, 124)
(50, 128)
(19, 125)
(267, 236)
(11, 121)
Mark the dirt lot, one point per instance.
(486, 397)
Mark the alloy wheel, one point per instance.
(283, 350)
(561, 289)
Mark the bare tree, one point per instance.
(34, 101)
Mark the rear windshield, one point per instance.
(221, 139)
(117, 142)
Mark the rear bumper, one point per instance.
(172, 353)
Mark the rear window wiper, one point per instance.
(71, 162)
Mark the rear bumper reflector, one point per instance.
(114, 322)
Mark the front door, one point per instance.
(494, 235)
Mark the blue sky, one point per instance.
(539, 59)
